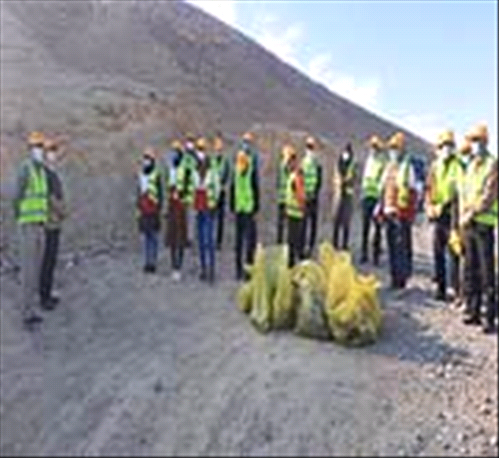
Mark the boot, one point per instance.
(472, 319)
(489, 327)
(49, 303)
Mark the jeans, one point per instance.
(177, 256)
(246, 233)
(281, 222)
(399, 250)
(151, 247)
(479, 270)
(342, 221)
(310, 221)
(205, 223)
(48, 263)
(295, 239)
(368, 206)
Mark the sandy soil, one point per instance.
(134, 364)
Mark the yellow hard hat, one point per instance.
(149, 152)
(242, 161)
(189, 136)
(50, 144)
(465, 147)
(248, 136)
(176, 145)
(36, 138)
(397, 141)
(288, 151)
(310, 142)
(376, 142)
(447, 136)
(478, 132)
(201, 143)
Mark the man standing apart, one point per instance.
(57, 212)
(312, 172)
(478, 218)
(31, 208)
(371, 190)
(244, 201)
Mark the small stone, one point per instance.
(462, 437)
(488, 400)
(158, 386)
(419, 438)
(447, 446)
(485, 410)
(441, 416)
(440, 371)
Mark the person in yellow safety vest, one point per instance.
(371, 191)
(31, 211)
(222, 166)
(245, 201)
(206, 195)
(149, 204)
(282, 181)
(295, 208)
(398, 207)
(440, 201)
(312, 172)
(188, 166)
(347, 175)
(478, 219)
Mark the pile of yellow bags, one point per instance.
(325, 299)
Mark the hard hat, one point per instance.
(189, 136)
(447, 136)
(376, 142)
(201, 143)
(149, 152)
(36, 138)
(478, 132)
(397, 141)
(218, 143)
(465, 147)
(176, 145)
(310, 142)
(50, 144)
(288, 152)
(248, 136)
(242, 161)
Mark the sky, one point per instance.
(425, 65)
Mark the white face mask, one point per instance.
(189, 145)
(309, 152)
(51, 157)
(201, 155)
(393, 154)
(446, 151)
(475, 148)
(37, 154)
(345, 155)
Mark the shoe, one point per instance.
(472, 319)
(176, 276)
(152, 269)
(31, 320)
(203, 276)
(49, 304)
(489, 328)
(363, 259)
(147, 269)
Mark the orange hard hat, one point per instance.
(397, 141)
(36, 138)
(50, 144)
(446, 137)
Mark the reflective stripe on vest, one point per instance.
(34, 207)
(403, 184)
(310, 174)
(293, 207)
(244, 199)
(371, 183)
(152, 184)
(282, 184)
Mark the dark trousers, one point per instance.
(281, 222)
(177, 256)
(441, 232)
(368, 206)
(398, 234)
(204, 222)
(295, 239)
(151, 247)
(342, 221)
(220, 217)
(246, 234)
(310, 222)
(479, 270)
(48, 263)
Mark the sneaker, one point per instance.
(31, 320)
(49, 304)
(472, 319)
(176, 276)
(203, 276)
(489, 328)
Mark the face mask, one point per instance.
(446, 151)
(201, 155)
(51, 157)
(189, 145)
(393, 154)
(346, 155)
(476, 148)
(37, 154)
(147, 163)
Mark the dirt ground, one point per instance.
(130, 364)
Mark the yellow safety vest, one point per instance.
(293, 207)
(34, 206)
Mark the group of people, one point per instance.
(197, 177)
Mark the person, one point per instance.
(312, 171)
(206, 195)
(222, 166)
(478, 218)
(371, 190)
(149, 205)
(398, 207)
(282, 180)
(244, 201)
(176, 230)
(31, 208)
(440, 199)
(56, 214)
(189, 160)
(346, 181)
(295, 208)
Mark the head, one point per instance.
(286, 152)
(396, 145)
(176, 146)
(446, 144)
(310, 144)
(478, 137)
(248, 140)
(218, 143)
(347, 152)
(465, 147)
(190, 141)
(148, 159)
(375, 144)
(51, 151)
(36, 141)
(293, 162)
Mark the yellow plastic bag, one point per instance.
(327, 256)
(340, 279)
(283, 311)
(261, 305)
(245, 297)
(311, 320)
(314, 272)
(455, 242)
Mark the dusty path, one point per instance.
(133, 364)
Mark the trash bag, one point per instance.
(283, 311)
(261, 304)
(340, 278)
(311, 319)
(245, 296)
(275, 257)
(313, 272)
(327, 255)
